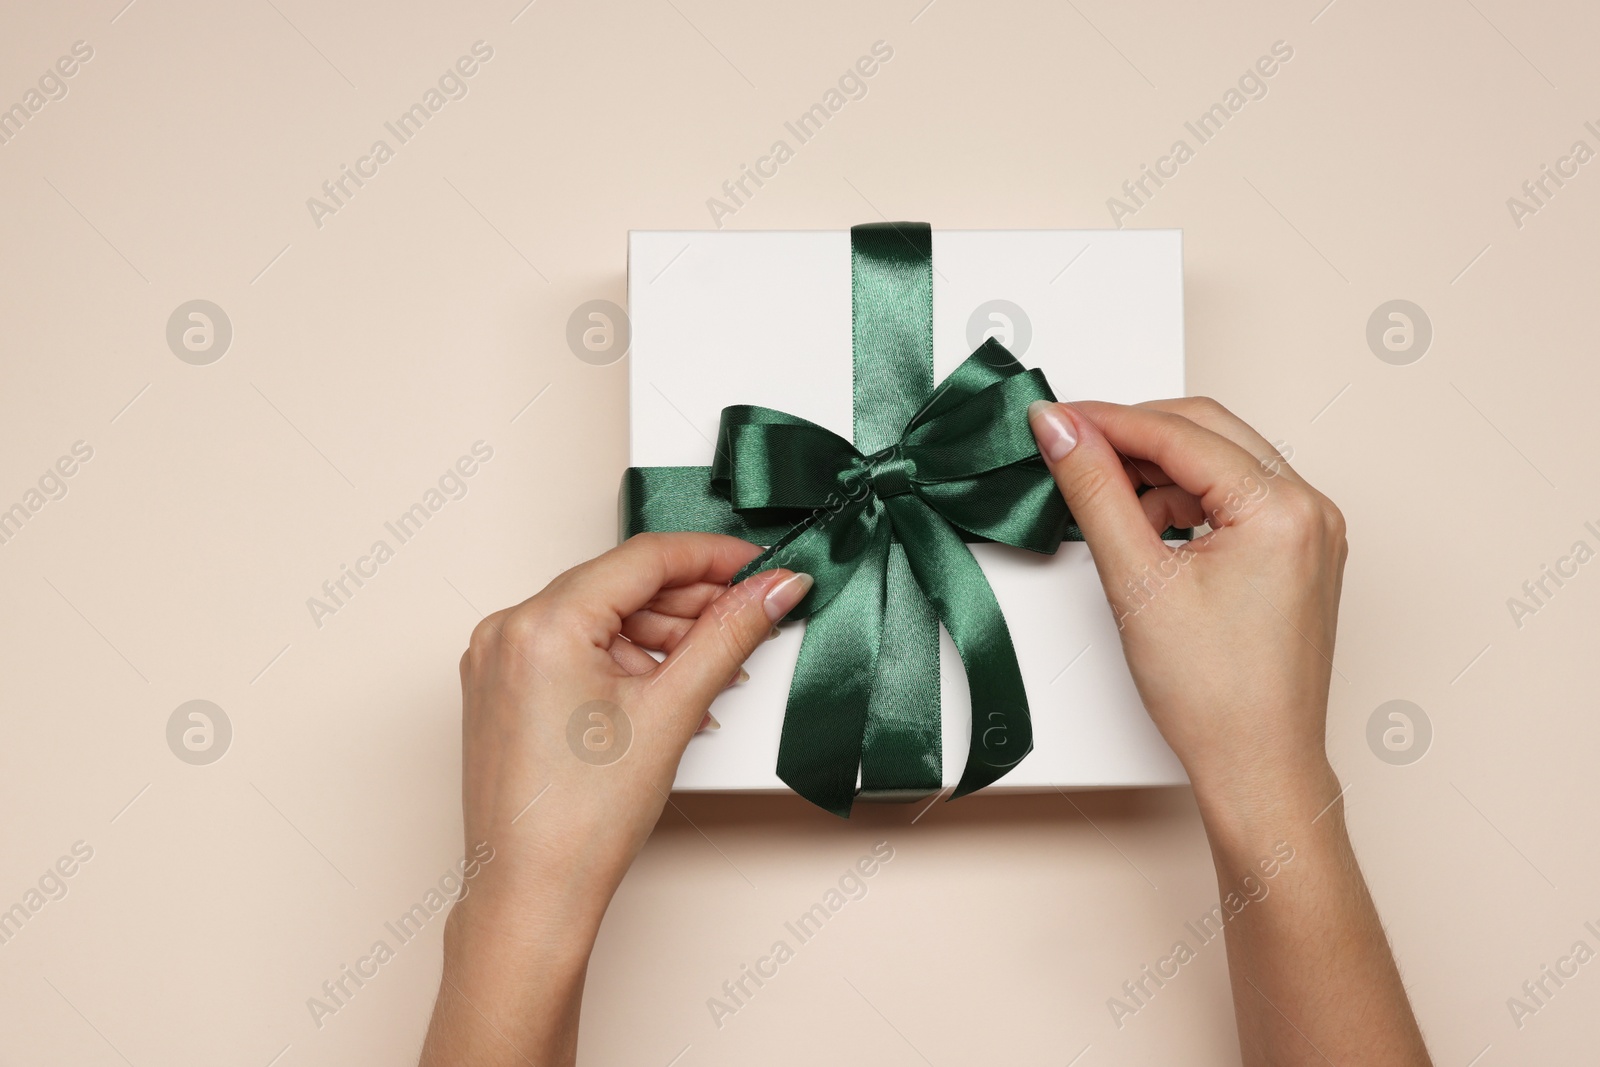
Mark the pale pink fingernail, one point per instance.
(742, 676)
(1052, 429)
(782, 598)
(709, 723)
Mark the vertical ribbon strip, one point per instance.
(891, 295)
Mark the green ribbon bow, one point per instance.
(882, 526)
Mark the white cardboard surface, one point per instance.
(723, 318)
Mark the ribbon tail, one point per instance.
(1002, 732)
(902, 752)
(825, 722)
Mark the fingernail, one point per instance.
(782, 598)
(709, 723)
(1052, 429)
(742, 676)
(773, 634)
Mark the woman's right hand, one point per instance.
(1229, 636)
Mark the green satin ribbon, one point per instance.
(882, 526)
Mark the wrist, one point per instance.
(511, 939)
(1245, 814)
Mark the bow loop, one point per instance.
(983, 431)
(771, 459)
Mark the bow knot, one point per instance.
(891, 471)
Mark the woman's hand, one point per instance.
(571, 736)
(1230, 639)
(1230, 636)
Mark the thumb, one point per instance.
(722, 638)
(1089, 473)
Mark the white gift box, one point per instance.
(721, 318)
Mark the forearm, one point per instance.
(1313, 976)
(507, 996)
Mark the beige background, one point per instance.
(370, 353)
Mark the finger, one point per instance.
(651, 629)
(1143, 472)
(636, 661)
(1171, 506)
(687, 601)
(631, 658)
(599, 594)
(1102, 500)
(1216, 470)
(661, 632)
(713, 651)
(662, 624)
(1204, 411)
